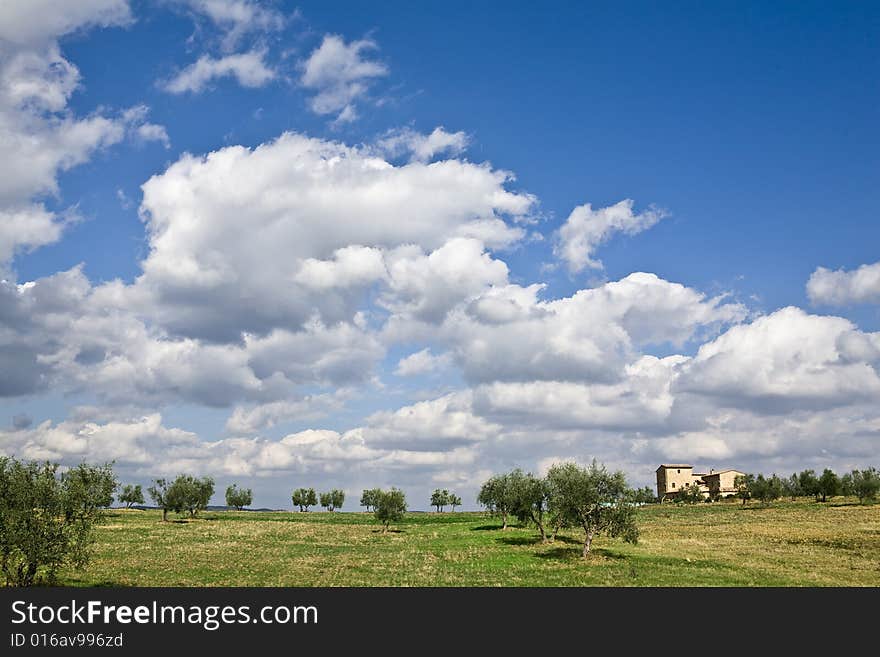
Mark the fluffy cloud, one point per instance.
(641, 400)
(841, 287)
(427, 287)
(248, 421)
(39, 136)
(785, 361)
(134, 442)
(434, 425)
(421, 147)
(61, 332)
(509, 335)
(422, 362)
(586, 229)
(237, 17)
(29, 22)
(212, 274)
(339, 74)
(249, 69)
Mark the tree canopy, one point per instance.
(238, 498)
(390, 506)
(131, 495)
(304, 498)
(594, 499)
(46, 519)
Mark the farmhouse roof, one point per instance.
(718, 472)
(673, 465)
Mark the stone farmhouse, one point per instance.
(672, 478)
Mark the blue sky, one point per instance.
(744, 133)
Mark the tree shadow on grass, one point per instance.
(519, 540)
(560, 554)
(485, 528)
(390, 531)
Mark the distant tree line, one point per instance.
(592, 499)
(863, 484)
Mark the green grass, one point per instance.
(786, 544)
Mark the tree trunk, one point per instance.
(164, 515)
(384, 529)
(587, 542)
(504, 520)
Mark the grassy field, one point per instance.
(786, 544)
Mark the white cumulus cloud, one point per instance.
(249, 69)
(841, 287)
(586, 229)
(339, 73)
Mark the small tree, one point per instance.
(809, 483)
(454, 501)
(131, 495)
(529, 499)
(369, 497)
(390, 507)
(690, 494)
(439, 499)
(337, 499)
(644, 495)
(159, 494)
(829, 484)
(866, 484)
(46, 522)
(238, 498)
(91, 486)
(791, 487)
(186, 494)
(765, 489)
(495, 495)
(304, 498)
(324, 499)
(594, 499)
(743, 485)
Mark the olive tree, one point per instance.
(304, 498)
(390, 506)
(46, 520)
(131, 495)
(791, 487)
(644, 495)
(91, 486)
(369, 497)
(439, 499)
(865, 484)
(495, 495)
(529, 497)
(238, 498)
(188, 494)
(594, 499)
(158, 492)
(743, 484)
(809, 483)
(690, 494)
(765, 489)
(829, 484)
(454, 501)
(333, 499)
